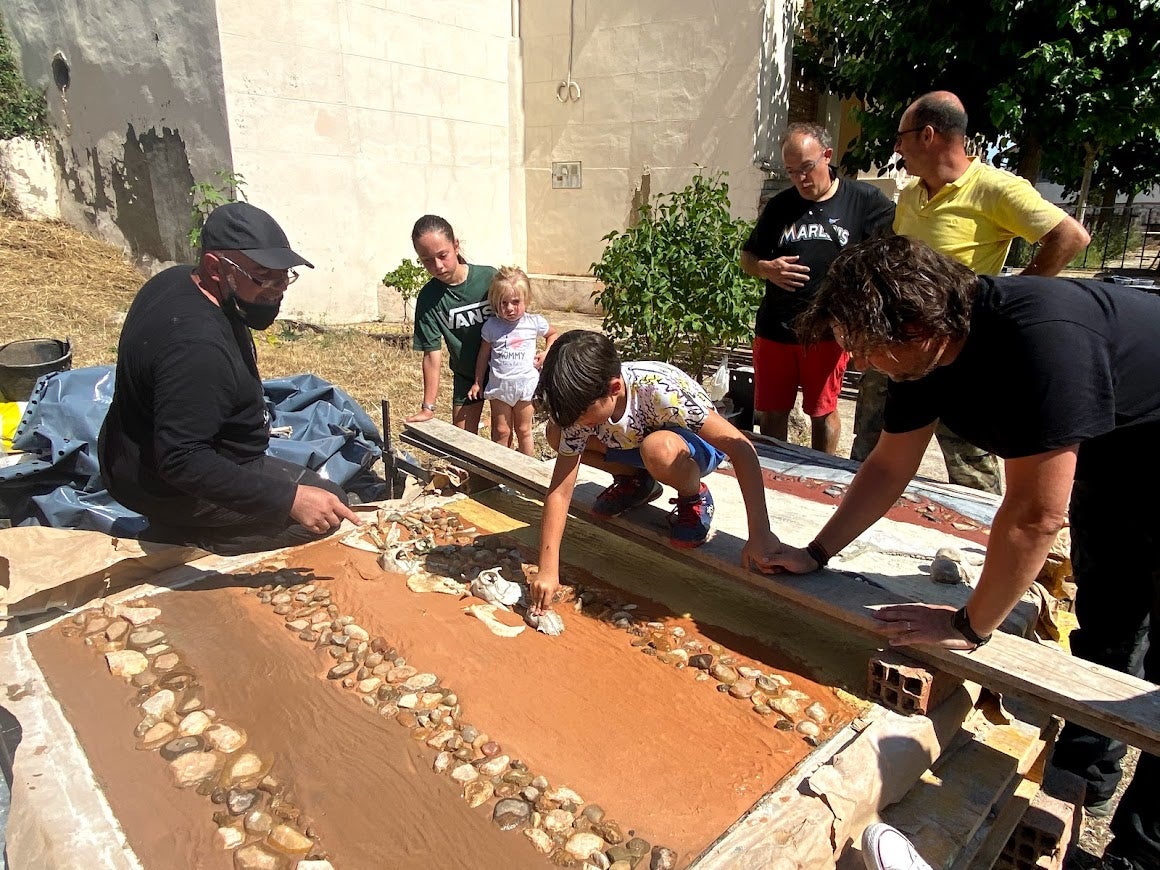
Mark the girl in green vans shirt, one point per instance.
(451, 308)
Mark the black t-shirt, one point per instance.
(791, 226)
(188, 412)
(1049, 362)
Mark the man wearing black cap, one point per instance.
(184, 442)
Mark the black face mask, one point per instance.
(254, 314)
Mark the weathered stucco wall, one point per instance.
(665, 85)
(141, 116)
(351, 119)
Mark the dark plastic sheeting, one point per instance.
(62, 487)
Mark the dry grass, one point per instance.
(56, 282)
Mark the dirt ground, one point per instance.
(56, 282)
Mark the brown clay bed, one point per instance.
(614, 711)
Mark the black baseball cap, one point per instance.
(239, 226)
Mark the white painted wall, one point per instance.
(666, 84)
(142, 116)
(30, 176)
(351, 119)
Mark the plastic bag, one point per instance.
(718, 385)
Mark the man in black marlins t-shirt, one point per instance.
(799, 233)
(184, 442)
(1061, 379)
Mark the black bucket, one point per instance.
(23, 362)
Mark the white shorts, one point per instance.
(512, 389)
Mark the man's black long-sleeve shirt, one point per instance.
(187, 414)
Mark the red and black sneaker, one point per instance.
(691, 518)
(627, 492)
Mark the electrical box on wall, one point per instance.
(566, 176)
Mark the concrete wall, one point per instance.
(351, 119)
(665, 84)
(142, 114)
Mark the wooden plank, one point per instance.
(1106, 701)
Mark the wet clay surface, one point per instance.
(160, 821)
(671, 754)
(676, 760)
(366, 785)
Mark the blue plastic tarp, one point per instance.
(62, 486)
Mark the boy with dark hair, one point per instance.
(645, 423)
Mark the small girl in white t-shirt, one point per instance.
(507, 369)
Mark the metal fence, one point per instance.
(1125, 239)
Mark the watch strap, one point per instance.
(962, 624)
(818, 553)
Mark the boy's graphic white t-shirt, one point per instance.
(659, 395)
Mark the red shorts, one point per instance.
(780, 368)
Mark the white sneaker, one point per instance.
(885, 848)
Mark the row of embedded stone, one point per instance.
(256, 819)
(768, 694)
(554, 819)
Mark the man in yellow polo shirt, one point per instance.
(970, 211)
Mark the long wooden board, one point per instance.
(1106, 701)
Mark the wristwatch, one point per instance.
(818, 553)
(430, 408)
(962, 625)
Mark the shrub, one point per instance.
(208, 195)
(23, 111)
(673, 285)
(408, 278)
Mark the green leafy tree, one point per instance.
(408, 279)
(1068, 82)
(23, 111)
(673, 286)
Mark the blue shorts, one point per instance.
(704, 454)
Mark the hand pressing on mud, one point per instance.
(320, 510)
(761, 551)
(544, 587)
(791, 560)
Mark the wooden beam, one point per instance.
(1106, 701)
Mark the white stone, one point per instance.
(225, 738)
(243, 767)
(464, 774)
(286, 839)
(562, 794)
(313, 865)
(583, 844)
(230, 838)
(126, 663)
(254, 857)
(193, 724)
(540, 840)
(494, 766)
(558, 821)
(355, 632)
(420, 681)
(138, 616)
(190, 769)
(160, 703)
